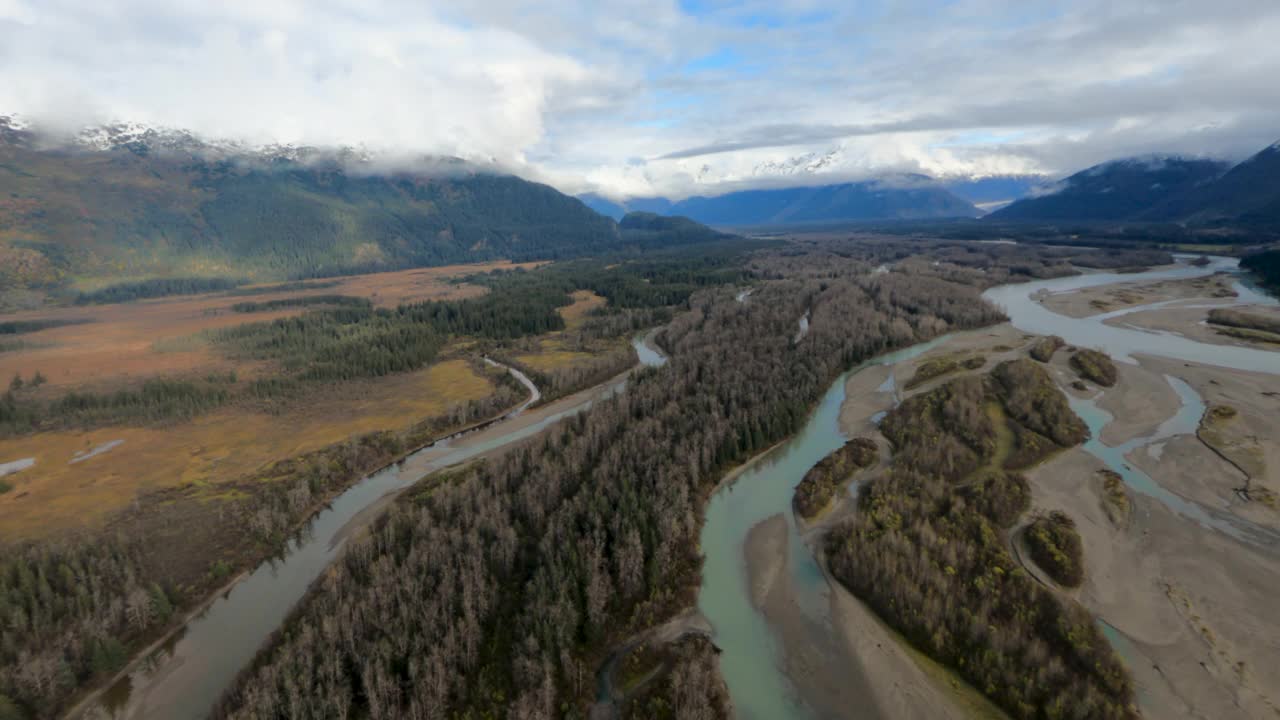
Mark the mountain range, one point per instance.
(1162, 189)
(909, 197)
(127, 203)
(119, 204)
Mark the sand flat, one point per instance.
(1119, 295)
(1190, 321)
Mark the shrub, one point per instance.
(1055, 546)
(1045, 347)
(1095, 366)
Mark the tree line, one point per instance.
(300, 301)
(1266, 266)
(155, 288)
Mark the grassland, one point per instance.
(107, 346)
(553, 351)
(229, 444)
(82, 476)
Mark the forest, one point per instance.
(1056, 547)
(74, 610)
(156, 287)
(820, 483)
(497, 596)
(1095, 366)
(928, 549)
(1265, 265)
(299, 301)
(21, 327)
(168, 539)
(498, 592)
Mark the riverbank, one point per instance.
(1190, 321)
(856, 667)
(1190, 603)
(1187, 606)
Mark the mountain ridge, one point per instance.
(893, 197)
(1155, 188)
(137, 204)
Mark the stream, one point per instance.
(190, 670)
(750, 661)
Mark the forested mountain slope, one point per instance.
(1163, 189)
(1119, 190)
(135, 210)
(1249, 193)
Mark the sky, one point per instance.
(674, 97)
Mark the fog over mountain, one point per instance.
(674, 98)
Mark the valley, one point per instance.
(762, 582)
(589, 361)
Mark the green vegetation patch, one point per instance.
(22, 327)
(1115, 497)
(302, 301)
(936, 367)
(1266, 266)
(1012, 418)
(155, 288)
(1250, 321)
(1248, 334)
(820, 484)
(926, 548)
(1056, 547)
(1045, 347)
(290, 286)
(682, 682)
(1094, 366)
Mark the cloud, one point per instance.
(637, 97)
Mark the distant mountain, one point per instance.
(911, 197)
(1128, 189)
(603, 205)
(139, 205)
(617, 209)
(645, 229)
(1248, 194)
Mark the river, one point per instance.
(186, 675)
(750, 662)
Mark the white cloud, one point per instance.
(636, 97)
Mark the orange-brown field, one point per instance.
(132, 341)
(129, 342)
(56, 495)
